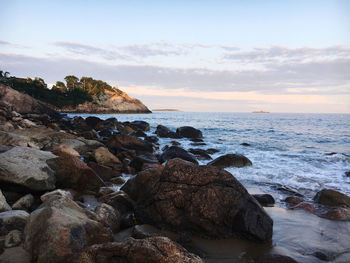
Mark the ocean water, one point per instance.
(304, 152)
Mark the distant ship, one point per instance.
(261, 111)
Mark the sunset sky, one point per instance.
(234, 56)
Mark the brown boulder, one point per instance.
(105, 157)
(118, 141)
(332, 198)
(229, 160)
(148, 250)
(60, 230)
(108, 216)
(203, 200)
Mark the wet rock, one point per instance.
(129, 142)
(148, 250)
(165, 132)
(321, 256)
(288, 190)
(109, 124)
(274, 258)
(212, 150)
(196, 140)
(139, 125)
(57, 193)
(198, 143)
(200, 154)
(265, 199)
(139, 232)
(118, 180)
(138, 133)
(177, 152)
(230, 160)
(60, 230)
(347, 173)
(108, 216)
(4, 206)
(189, 132)
(294, 200)
(13, 239)
(105, 172)
(142, 159)
(175, 143)
(15, 255)
(198, 199)
(28, 168)
(73, 173)
(245, 144)
(308, 207)
(92, 121)
(146, 166)
(90, 135)
(332, 198)
(12, 220)
(341, 214)
(105, 133)
(129, 155)
(128, 220)
(24, 203)
(105, 157)
(151, 139)
(121, 202)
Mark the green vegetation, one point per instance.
(70, 93)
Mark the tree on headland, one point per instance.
(72, 82)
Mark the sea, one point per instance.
(296, 152)
(291, 154)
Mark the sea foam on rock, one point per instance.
(203, 200)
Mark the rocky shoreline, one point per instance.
(64, 195)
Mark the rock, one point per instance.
(118, 180)
(12, 220)
(58, 193)
(274, 258)
(105, 133)
(105, 157)
(196, 140)
(129, 155)
(13, 239)
(138, 232)
(60, 230)
(200, 154)
(288, 190)
(230, 160)
(332, 198)
(198, 143)
(121, 202)
(92, 121)
(24, 203)
(165, 132)
(27, 123)
(305, 206)
(321, 256)
(146, 166)
(73, 173)
(245, 144)
(108, 216)
(148, 250)
(347, 173)
(23, 103)
(341, 214)
(108, 124)
(212, 150)
(66, 149)
(151, 139)
(129, 142)
(4, 206)
(264, 199)
(189, 132)
(139, 125)
(128, 220)
(15, 255)
(28, 168)
(79, 124)
(177, 152)
(105, 172)
(294, 200)
(175, 143)
(142, 159)
(138, 133)
(203, 200)
(89, 135)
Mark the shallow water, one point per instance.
(305, 152)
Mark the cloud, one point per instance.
(275, 54)
(230, 48)
(6, 43)
(155, 49)
(82, 49)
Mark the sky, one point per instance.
(211, 56)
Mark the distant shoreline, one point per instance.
(165, 110)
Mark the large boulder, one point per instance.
(71, 172)
(148, 250)
(203, 200)
(332, 198)
(118, 141)
(27, 167)
(106, 158)
(59, 230)
(139, 125)
(92, 121)
(228, 160)
(165, 132)
(200, 153)
(189, 132)
(177, 152)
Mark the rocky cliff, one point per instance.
(109, 102)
